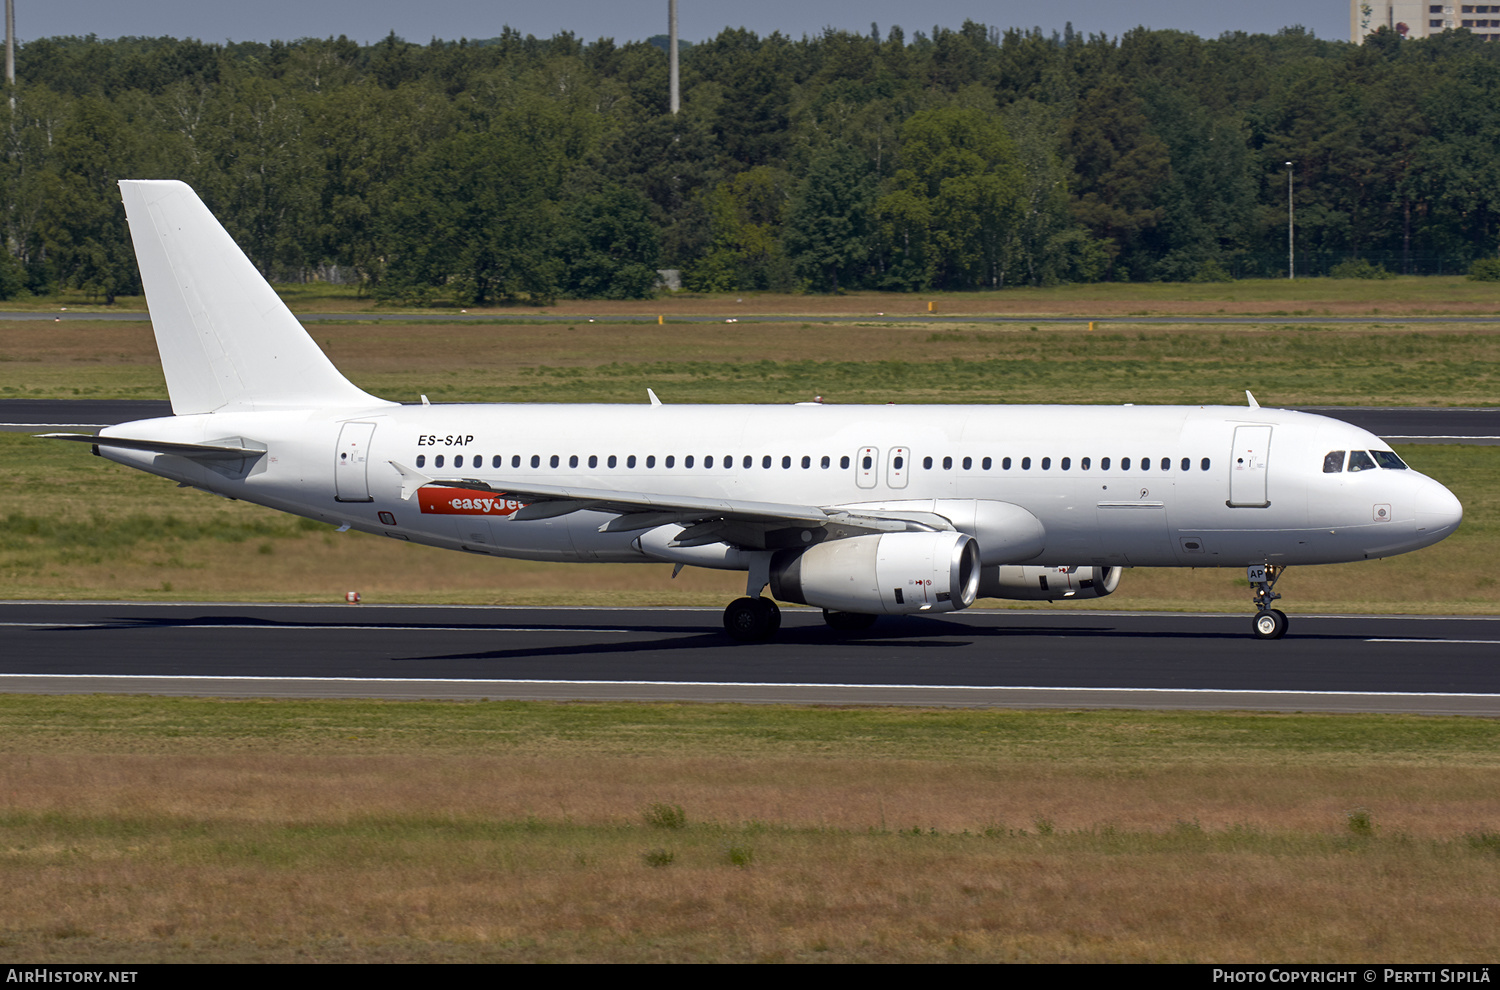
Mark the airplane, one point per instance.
(861, 511)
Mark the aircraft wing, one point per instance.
(730, 520)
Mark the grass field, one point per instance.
(138, 829)
(1368, 364)
(1408, 295)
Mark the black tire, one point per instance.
(848, 621)
(1270, 624)
(752, 620)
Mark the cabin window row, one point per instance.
(631, 461)
(593, 461)
(1066, 464)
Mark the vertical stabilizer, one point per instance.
(227, 341)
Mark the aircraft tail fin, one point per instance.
(227, 341)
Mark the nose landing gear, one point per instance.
(1269, 623)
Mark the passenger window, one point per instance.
(844, 462)
(968, 463)
(827, 463)
(572, 460)
(671, 461)
(458, 461)
(749, 461)
(1025, 464)
(1333, 462)
(1166, 463)
(1388, 460)
(765, 462)
(1046, 463)
(421, 460)
(687, 461)
(1086, 463)
(927, 464)
(807, 462)
(1005, 464)
(1187, 464)
(786, 461)
(1104, 464)
(728, 461)
(947, 464)
(536, 460)
(708, 461)
(554, 460)
(1124, 464)
(611, 462)
(1067, 462)
(1360, 461)
(986, 464)
(630, 461)
(497, 461)
(867, 463)
(651, 460)
(437, 461)
(1204, 465)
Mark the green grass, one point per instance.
(1124, 742)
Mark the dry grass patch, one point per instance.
(159, 829)
(1377, 364)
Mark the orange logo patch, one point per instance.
(460, 502)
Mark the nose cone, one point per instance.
(1438, 512)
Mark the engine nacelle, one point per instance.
(1032, 583)
(889, 573)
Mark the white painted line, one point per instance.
(747, 684)
(127, 624)
(1435, 642)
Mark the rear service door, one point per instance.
(351, 481)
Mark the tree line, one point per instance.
(525, 168)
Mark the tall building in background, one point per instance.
(1420, 20)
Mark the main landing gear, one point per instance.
(1269, 623)
(752, 620)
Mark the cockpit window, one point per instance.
(1333, 462)
(1388, 460)
(1360, 461)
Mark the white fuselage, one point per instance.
(1134, 485)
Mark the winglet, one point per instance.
(654, 400)
(1253, 403)
(411, 480)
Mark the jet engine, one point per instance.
(889, 573)
(1032, 583)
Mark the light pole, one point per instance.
(1291, 270)
(674, 99)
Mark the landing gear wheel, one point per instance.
(752, 620)
(848, 621)
(1270, 624)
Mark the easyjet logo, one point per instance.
(460, 502)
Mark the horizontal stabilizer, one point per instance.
(230, 447)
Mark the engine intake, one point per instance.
(889, 573)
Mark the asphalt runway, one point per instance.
(977, 658)
(1396, 424)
